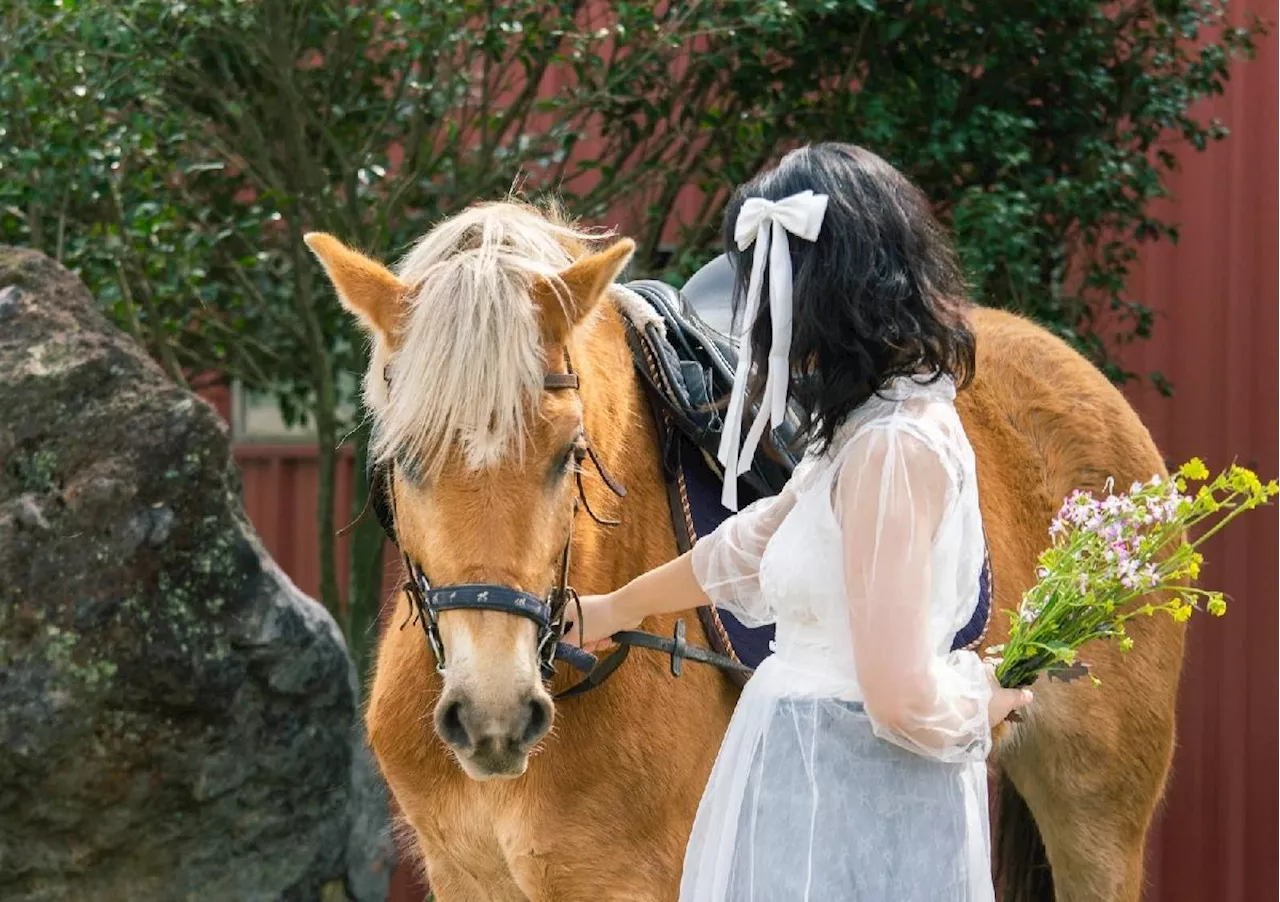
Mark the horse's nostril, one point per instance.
(539, 721)
(450, 726)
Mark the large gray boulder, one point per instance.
(177, 720)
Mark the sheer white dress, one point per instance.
(853, 768)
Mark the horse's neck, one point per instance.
(620, 424)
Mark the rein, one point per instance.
(547, 614)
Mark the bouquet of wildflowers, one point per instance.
(1107, 558)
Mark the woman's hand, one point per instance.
(1003, 701)
(602, 616)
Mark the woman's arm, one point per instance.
(723, 569)
(892, 491)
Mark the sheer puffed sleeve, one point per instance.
(726, 563)
(894, 485)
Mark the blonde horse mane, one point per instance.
(470, 357)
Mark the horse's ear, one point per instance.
(365, 287)
(585, 282)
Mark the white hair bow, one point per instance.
(766, 223)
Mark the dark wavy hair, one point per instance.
(879, 294)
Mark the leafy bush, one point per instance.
(175, 153)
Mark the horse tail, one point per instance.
(1022, 871)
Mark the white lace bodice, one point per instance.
(868, 563)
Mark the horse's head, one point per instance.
(479, 440)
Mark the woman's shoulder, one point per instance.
(919, 416)
(902, 389)
(909, 404)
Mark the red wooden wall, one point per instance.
(1218, 294)
(1217, 341)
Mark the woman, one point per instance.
(853, 768)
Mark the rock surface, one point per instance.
(177, 720)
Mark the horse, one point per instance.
(500, 370)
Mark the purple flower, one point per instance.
(1079, 508)
(1154, 508)
(1128, 573)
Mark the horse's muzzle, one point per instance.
(493, 740)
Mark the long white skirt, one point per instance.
(806, 803)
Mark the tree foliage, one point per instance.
(1043, 131)
(174, 153)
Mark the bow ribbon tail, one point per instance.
(780, 313)
(730, 451)
(773, 401)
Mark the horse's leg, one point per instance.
(623, 877)
(593, 884)
(1091, 764)
(464, 865)
(451, 879)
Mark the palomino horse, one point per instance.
(510, 797)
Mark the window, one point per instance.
(257, 417)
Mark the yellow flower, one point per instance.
(1182, 613)
(1193, 566)
(1126, 644)
(1217, 604)
(1247, 481)
(1194, 469)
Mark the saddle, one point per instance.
(696, 361)
(686, 360)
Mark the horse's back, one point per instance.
(1057, 422)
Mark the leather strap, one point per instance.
(576, 657)
(560, 381)
(487, 597)
(596, 676)
(678, 649)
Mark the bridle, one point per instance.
(548, 614)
